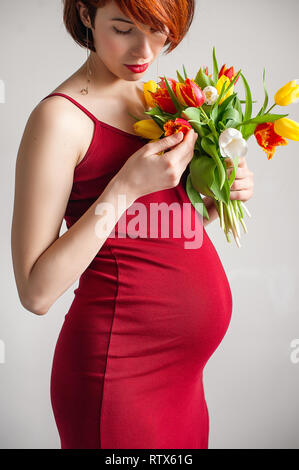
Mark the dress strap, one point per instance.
(75, 103)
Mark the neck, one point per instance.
(102, 80)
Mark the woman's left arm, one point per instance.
(241, 189)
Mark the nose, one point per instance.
(143, 49)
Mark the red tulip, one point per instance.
(171, 81)
(162, 98)
(230, 73)
(190, 94)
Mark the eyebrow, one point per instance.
(121, 19)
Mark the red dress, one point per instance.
(147, 315)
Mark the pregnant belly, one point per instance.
(156, 297)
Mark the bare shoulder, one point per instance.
(55, 116)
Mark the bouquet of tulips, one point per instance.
(211, 106)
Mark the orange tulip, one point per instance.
(268, 139)
(174, 127)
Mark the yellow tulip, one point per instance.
(148, 129)
(224, 79)
(150, 86)
(288, 94)
(287, 128)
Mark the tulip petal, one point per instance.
(287, 94)
(148, 129)
(287, 128)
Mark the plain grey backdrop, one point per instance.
(252, 380)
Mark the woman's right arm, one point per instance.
(46, 265)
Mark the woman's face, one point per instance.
(121, 42)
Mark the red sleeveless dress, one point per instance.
(146, 316)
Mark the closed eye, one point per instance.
(128, 32)
(121, 32)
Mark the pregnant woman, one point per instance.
(148, 313)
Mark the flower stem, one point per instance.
(240, 208)
(244, 226)
(245, 208)
(235, 217)
(221, 214)
(226, 224)
(204, 113)
(270, 108)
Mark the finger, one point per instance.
(229, 162)
(242, 162)
(240, 173)
(242, 184)
(165, 143)
(241, 195)
(179, 150)
(191, 135)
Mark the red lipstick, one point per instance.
(137, 68)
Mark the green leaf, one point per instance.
(221, 126)
(225, 91)
(215, 113)
(173, 97)
(185, 73)
(248, 106)
(196, 199)
(202, 173)
(230, 113)
(211, 149)
(193, 115)
(220, 95)
(207, 108)
(152, 111)
(157, 120)
(202, 80)
(215, 67)
(260, 119)
(135, 117)
(263, 108)
(158, 111)
(227, 102)
(244, 101)
(248, 130)
(180, 78)
(221, 194)
(234, 171)
(238, 107)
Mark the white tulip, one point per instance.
(232, 144)
(211, 94)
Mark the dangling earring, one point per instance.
(84, 91)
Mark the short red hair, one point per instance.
(176, 15)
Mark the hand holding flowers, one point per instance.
(211, 106)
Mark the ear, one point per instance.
(83, 13)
